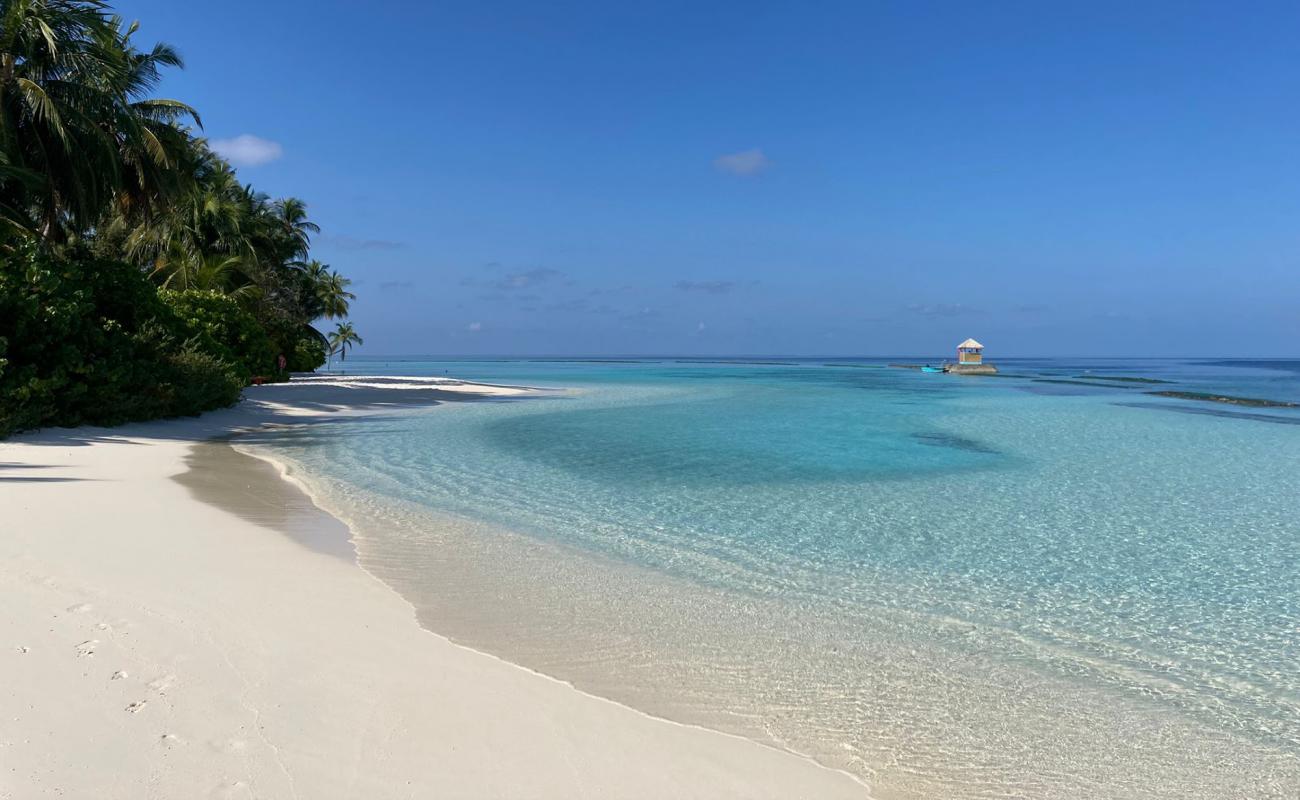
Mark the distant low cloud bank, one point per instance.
(709, 287)
(744, 163)
(515, 281)
(247, 150)
(345, 242)
(714, 286)
(942, 309)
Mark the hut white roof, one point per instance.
(971, 343)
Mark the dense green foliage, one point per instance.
(216, 324)
(140, 277)
(90, 342)
(304, 352)
(78, 129)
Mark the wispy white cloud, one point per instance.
(745, 163)
(474, 326)
(247, 150)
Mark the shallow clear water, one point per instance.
(953, 587)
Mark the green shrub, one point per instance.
(303, 349)
(308, 354)
(217, 325)
(89, 341)
(201, 381)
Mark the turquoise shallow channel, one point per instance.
(949, 586)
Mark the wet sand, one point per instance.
(255, 491)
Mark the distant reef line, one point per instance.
(1252, 402)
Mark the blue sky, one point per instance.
(785, 178)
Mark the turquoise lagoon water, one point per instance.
(950, 587)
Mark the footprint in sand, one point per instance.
(80, 608)
(87, 648)
(234, 790)
(135, 707)
(170, 739)
(22, 649)
(119, 675)
(161, 685)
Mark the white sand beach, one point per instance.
(156, 646)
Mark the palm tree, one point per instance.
(314, 271)
(291, 214)
(210, 271)
(341, 338)
(331, 290)
(13, 219)
(92, 163)
(75, 112)
(211, 216)
(324, 292)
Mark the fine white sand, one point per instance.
(154, 646)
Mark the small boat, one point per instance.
(929, 368)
